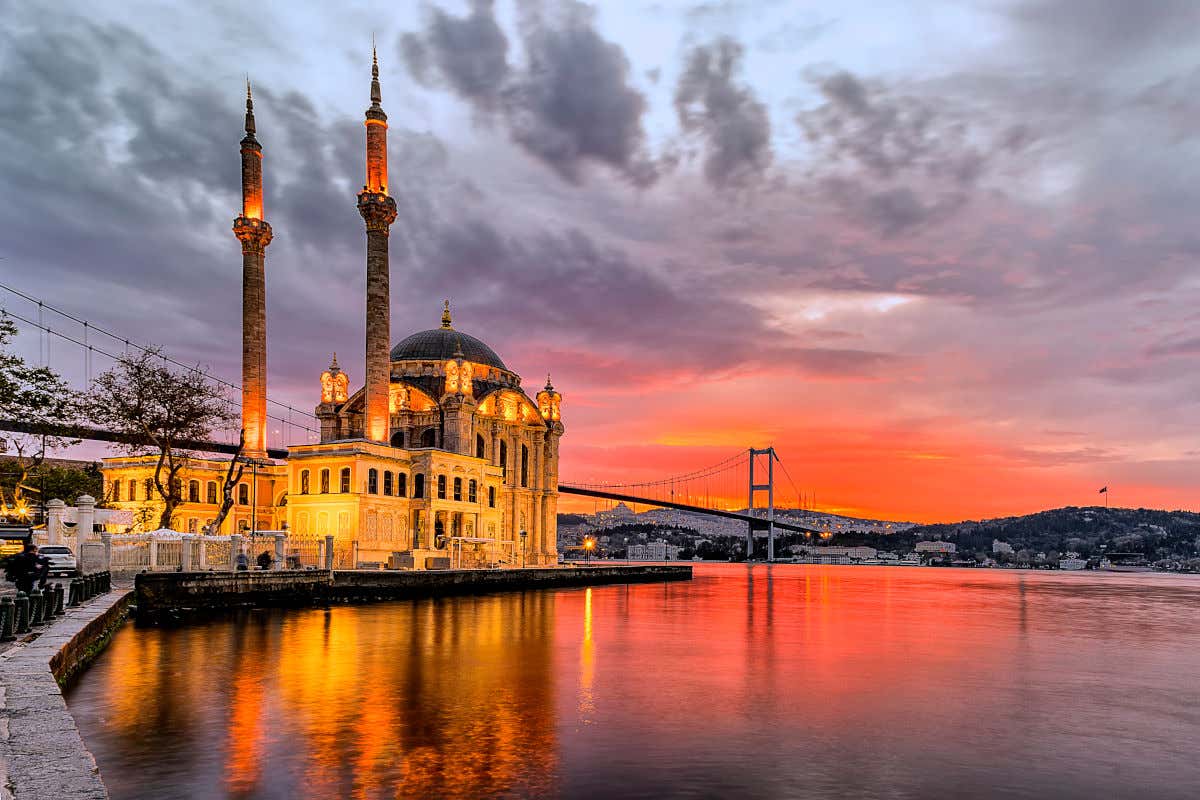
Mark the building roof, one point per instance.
(441, 344)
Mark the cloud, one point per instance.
(897, 160)
(570, 104)
(734, 124)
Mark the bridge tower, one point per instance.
(254, 232)
(769, 488)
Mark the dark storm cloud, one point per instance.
(570, 104)
(898, 160)
(734, 124)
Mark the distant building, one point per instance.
(653, 551)
(1072, 563)
(936, 547)
(835, 554)
(1001, 547)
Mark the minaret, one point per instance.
(255, 234)
(379, 212)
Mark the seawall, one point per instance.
(41, 752)
(166, 597)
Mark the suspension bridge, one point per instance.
(740, 487)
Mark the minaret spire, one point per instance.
(378, 211)
(254, 232)
(446, 315)
(249, 112)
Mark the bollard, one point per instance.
(90, 587)
(107, 581)
(59, 600)
(72, 593)
(8, 619)
(22, 604)
(85, 588)
(35, 607)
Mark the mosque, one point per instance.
(440, 456)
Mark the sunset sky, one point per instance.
(943, 255)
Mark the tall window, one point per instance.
(491, 497)
(441, 487)
(324, 481)
(243, 494)
(524, 465)
(401, 484)
(372, 481)
(472, 491)
(149, 489)
(177, 488)
(503, 459)
(210, 493)
(480, 447)
(303, 481)
(116, 490)
(387, 482)
(345, 480)
(419, 485)
(193, 491)
(458, 488)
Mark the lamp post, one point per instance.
(254, 463)
(523, 535)
(589, 544)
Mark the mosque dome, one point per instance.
(440, 344)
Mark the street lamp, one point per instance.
(589, 544)
(523, 535)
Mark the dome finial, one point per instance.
(446, 314)
(376, 97)
(549, 385)
(333, 365)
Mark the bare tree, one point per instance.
(160, 412)
(42, 404)
(233, 476)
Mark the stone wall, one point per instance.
(167, 597)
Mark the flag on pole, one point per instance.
(1103, 490)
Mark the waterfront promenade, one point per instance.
(41, 752)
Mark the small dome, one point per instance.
(440, 344)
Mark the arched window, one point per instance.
(419, 485)
(491, 497)
(458, 489)
(282, 502)
(372, 481)
(303, 481)
(524, 465)
(243, 494)
(324, 481)
(503, 459)
(210, 493)
(398, 439)
(480, 446)
(401, 484)
(472, 491)
(429, 437)
(116, 490)
(387, 483)
(345, 485)
(193, 491)
(149, 489)
(441, 487)
(177, 488)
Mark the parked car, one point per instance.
(62, 560)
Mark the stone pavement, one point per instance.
(42, 755)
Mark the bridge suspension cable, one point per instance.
(89, 349)
(724, 465)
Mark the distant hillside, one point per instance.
(1156, 534)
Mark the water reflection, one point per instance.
(796, 681)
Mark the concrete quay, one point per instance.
(41, 752)
(172, 597)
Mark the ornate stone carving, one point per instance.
(254, 234)
(377, 210)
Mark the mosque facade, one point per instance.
(439, 458)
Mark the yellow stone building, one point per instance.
(439, 459)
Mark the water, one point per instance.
(791, 681)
